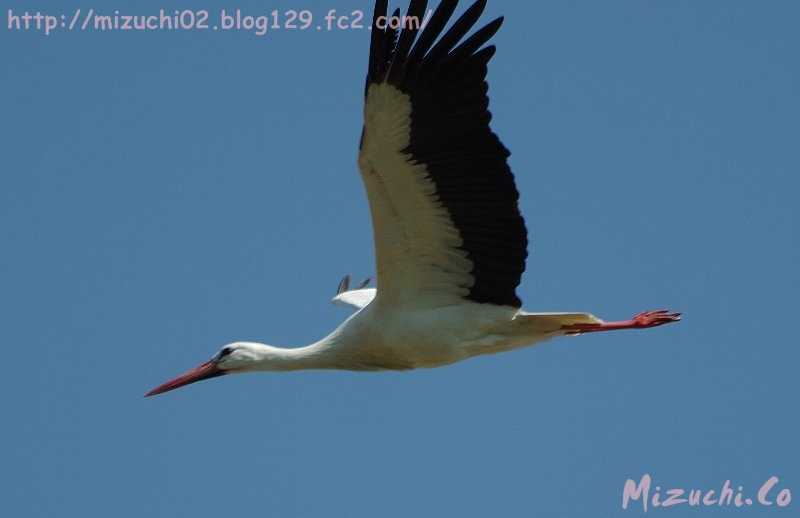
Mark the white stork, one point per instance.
(450, 242)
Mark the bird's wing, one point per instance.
(442, 197)
(357, 298)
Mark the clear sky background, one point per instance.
(162, 194)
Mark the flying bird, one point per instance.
(450, 242)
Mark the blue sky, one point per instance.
(164, 193)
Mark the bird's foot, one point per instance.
(655, 318)
(643, 320)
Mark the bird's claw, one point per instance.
(655, 318)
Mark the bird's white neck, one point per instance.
(319, 355)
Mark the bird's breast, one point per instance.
(379, 338)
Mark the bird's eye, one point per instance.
(225, 352)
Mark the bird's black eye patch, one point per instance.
(225, 352)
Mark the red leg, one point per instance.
(640, 321)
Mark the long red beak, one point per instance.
(205, 371)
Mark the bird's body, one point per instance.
(387, 338)
(382, 337)
(450, 242)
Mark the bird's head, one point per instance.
(230, 359)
